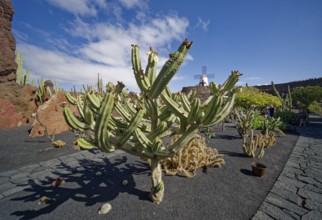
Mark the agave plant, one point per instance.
(144, 125)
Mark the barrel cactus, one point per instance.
(144, 125)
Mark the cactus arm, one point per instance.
(185, 137)
(289, 97)
(73, 121)
(212, 109)
(122, 112)
(85, 144)
(224, 112)
(173, 106)
(185, 102)
(19, 71)
(153, 112)
(142, 81)
(133, 125)
(71, 99)
(102, 135)
(231, 81)
(169, 69)
(191, 95)
(144, 142)
(93, 100)
(151, 67)
(194, 111)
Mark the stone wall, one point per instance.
(7, 43)
(202, 92)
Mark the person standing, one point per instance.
(303, 117)
(271, 110)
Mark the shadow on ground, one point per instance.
(94, 182)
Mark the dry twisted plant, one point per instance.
(194, 155)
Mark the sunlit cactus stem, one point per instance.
(142, 125)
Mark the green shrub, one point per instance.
(288, 117)
(315, 107)
(258, 121)
(253, 96)
(275, 125)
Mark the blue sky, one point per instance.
(267, 40)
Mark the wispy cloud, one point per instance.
(203, 24)
(134, 3)
(78, 7)
(105, 48)
(254, 78)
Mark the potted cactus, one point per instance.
(143, 126)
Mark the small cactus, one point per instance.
(251, 143)
(244, 120)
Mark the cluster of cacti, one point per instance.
(244, 120)
(42, 91)
(287, 101)
(143, 125)
(251, 144)
(269, 139)
(273, 125)
(195, 154)
(21, 77)
(254, 145)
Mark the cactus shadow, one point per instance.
(234, 154)
(92, 182)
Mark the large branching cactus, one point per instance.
(144, 126)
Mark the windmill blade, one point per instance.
(197, 76)
(204, 69)
(211, 76)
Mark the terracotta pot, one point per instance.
(258, 169)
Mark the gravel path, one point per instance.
(93, 178)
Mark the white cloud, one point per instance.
(134, 3)
(176, 78)
(58, 66)
(78, 7)
(203, 24)
(254, 78)
(107, 51)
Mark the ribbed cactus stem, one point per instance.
(157, 190)
(19, 71)
(169, 69)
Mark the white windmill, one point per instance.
(203, 77)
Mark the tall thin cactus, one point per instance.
(21, 77)
(287, 101)
(143, 126)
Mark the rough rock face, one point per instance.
(202, 92)
(9, 118)
(7, 43)
(50, 114)
(22, 98)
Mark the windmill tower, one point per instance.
(203, 77)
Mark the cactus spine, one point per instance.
(145, 122)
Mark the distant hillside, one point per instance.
(282, 87)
